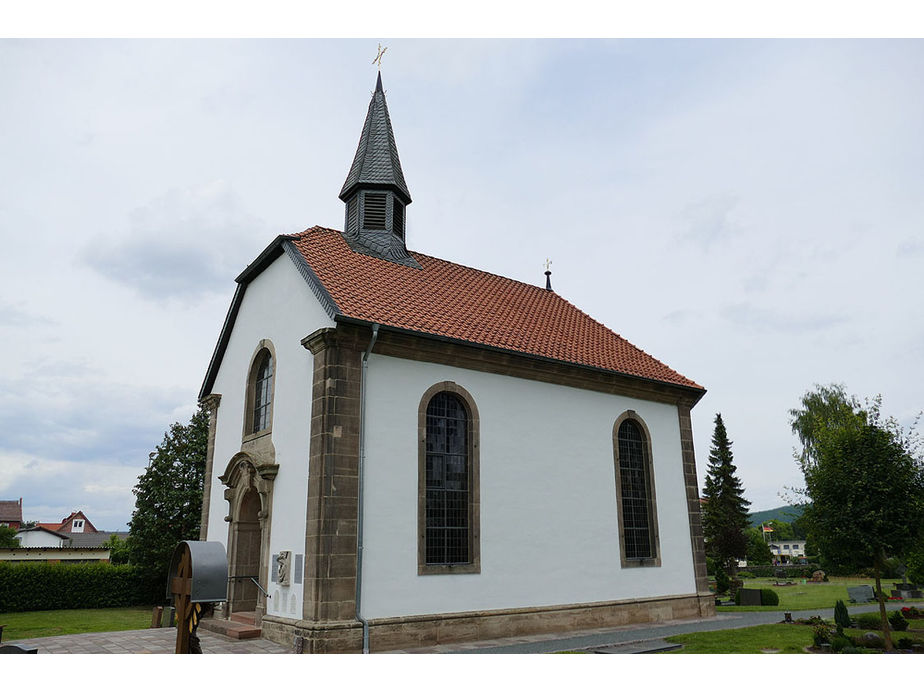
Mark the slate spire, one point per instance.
(376, 162)
(375, 192)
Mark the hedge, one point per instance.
(39, 586)
(789, 571)
(768, 597)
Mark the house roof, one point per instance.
(10, 511)
(93, 539)
(40, 528)
(78, 515)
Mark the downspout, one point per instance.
(359, 491)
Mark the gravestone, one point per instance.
(861, 593)
(749, 597)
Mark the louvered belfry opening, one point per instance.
(398, 219)
(448, 483)
(374, 211)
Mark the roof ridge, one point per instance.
(418, 254)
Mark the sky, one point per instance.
(749, 212)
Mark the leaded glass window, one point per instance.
(634, 486)
(448, 481)
(263, 392)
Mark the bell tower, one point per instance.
(375, 193)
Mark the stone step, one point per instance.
(245, 617)
(232, 629)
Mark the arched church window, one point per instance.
(448, 485)
(260, 388)
(638, 536)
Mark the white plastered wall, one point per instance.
(549, 524)
(278, 305)
(39, 540)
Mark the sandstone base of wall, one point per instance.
(408, 632)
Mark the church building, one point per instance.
(404, 451)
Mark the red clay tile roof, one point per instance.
(467, 304)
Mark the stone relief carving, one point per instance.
(283, 561)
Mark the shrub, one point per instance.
(710, 566)
(722, 581)
(746, 575)
(905, 643)
(869, 621)
(897, 621)
(768, 597)
(821, 633)
(38, 586)
(852, 649)
(841, 615)
(871, 640)
(839, 642)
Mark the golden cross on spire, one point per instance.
(378, 58)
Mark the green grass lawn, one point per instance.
(811, 595)
(775, 638)
(41, 624)
(787, 639)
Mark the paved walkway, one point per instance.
(641, 637)
(148, 641)
(623, 639)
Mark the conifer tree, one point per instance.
(725, 511)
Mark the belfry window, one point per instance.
(374, 211)
(398, 219)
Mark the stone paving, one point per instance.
(639, 637)
(148, 641)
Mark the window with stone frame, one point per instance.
(260, 388)
(448, 486)
(638, 536)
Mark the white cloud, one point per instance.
(183, 244)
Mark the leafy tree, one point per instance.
(781, 530)
(799, 530)
(865, 480)
(914, 564)
(725, 511)
(168, 500)
(118, 549)
(8, 538)
(758, 552)
(826, 407)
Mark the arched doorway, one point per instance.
(249, 495)
(245, 549)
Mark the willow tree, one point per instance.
(864, 481)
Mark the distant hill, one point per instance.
(786, 513)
